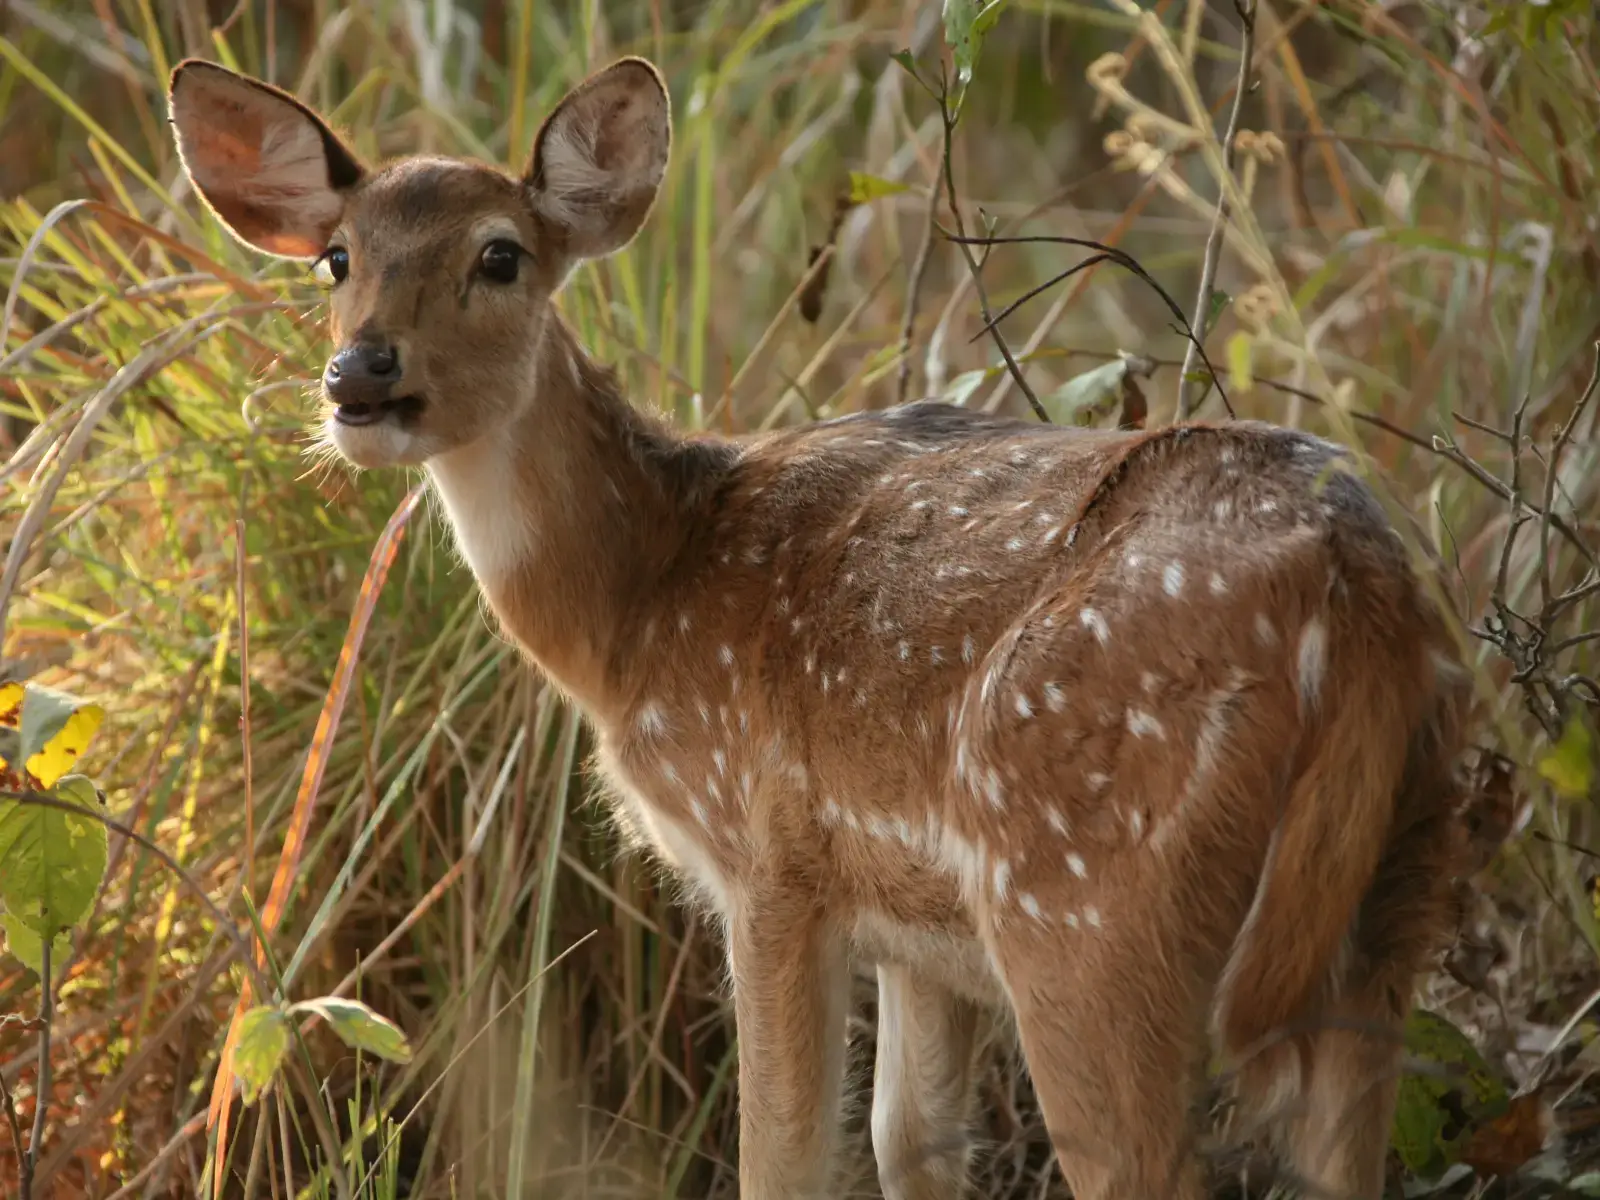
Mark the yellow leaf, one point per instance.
(56, 728)
(10, 703)
(1241, 374)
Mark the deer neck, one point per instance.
(571, 519)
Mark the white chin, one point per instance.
(381, 444)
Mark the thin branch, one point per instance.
(10, 1106)
(1554, 470)
(914, 287)
(949, 120)
(41, 1090)
(1124, 260)
(1208, 268)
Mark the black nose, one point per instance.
(359, 379)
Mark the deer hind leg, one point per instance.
(1113, 1033)
(1336, 1138)
(922, 1086)
(790, 994)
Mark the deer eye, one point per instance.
(333, 267)
(500, 260)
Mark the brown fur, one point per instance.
(1144, 739)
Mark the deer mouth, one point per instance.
(402, 410)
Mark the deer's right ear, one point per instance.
(269, 167)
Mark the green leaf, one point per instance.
(965, 24)
(51, 862)
(262, 1042)
(1219, 301)
(1077, 400)
(359, 1027)
(1569, 765)
(29, 947)
(865, 188)
(907, 64)
(1438, 1110)
(961, 388)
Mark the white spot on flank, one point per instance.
(1096, 624)
(957, 511)
(1071, 919)
(669, 772)
(1265, 633)
(651, 720)
(1097, 780)
(1014, 544)
(992, 789)
(1054, 697)
(1219, 585)
(725, 654)
(1075, 864)
(1313, 660)
(721, 761)
(1172, 579)
(1052, 535)
(1058, 823)
(831, 812)
(1091, 916)
(1142, 724)
(700, 812)
(1030, 905)
(683, 622)
(936, 655)
(905, 651)
(1002, 879)
(1024, 709)
(967, 649)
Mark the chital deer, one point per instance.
(1142, 739)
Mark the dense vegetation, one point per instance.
(293, 696)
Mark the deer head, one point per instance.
(441, 271)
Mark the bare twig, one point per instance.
(914, 287)
(10, 1106)
(1553, 470)
(41, 1090)
(948, 118)
(1208, 267)
(1123, 259)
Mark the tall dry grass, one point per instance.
(1411, 265)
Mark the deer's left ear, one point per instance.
(600, 157)
(269, 167)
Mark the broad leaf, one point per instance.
(1441, 1105)
(51, 862)
(53, 730)
(865, 188)
(26, 945)
(965, 24)
(1079, 399)
(359, 1027)
(262, 1042)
